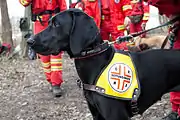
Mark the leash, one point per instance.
(165, 42)
(104, 46)
(130, 37)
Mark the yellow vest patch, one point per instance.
(118, 79)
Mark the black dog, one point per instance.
(75, 32)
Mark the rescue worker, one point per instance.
(171, 8)
(119, 9)
(42, 11)
(106, 27)
(139, 16)
(109, 17)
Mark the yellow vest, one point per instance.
(118, 79)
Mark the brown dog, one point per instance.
(150, 42)
(153, 41)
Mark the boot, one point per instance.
(171, 116)
(56, 90)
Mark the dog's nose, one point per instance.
(31, 41)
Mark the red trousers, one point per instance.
(136, 27)
(52, 65)
(107, 30)
(175, 96)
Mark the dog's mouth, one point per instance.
(40, 49)
(46, 51)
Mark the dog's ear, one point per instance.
(83, 33)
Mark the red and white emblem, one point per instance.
(120, 77)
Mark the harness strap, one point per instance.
(93, 51)
(165, 42)
(134, 104)
(93, 88)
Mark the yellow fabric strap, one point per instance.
(24, 2)
(47, 64)
(126, 7)
(103, 17)
(56, 61)
(47, 70)
(120, 27)
(146, 16)
(39, 17)
(131, 44)
(91, 0)
(134, 1)
(56, 68)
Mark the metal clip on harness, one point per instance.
(128, 38)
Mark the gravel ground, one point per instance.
(25, 94)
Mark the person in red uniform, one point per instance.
(119, 9)
(42, 11)
(93, 9)
(106, 27)
(171, 8)
(109, 17)
(139, 16)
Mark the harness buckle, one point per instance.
(134, 104)
(134, 108)
(79, 83)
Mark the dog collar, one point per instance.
(94, 51)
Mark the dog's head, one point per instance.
(71, 30)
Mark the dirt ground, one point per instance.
(25, 95)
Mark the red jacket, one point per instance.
(39, 6)
(119, 10)
(105, 10)
(140, 8)
(93, 9)
(98, 9)
(167, 7)
(146, 10)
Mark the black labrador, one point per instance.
(75, 32)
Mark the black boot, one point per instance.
(171, 116)
(56, 90)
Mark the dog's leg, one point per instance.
(110, 108)
(95, 113)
